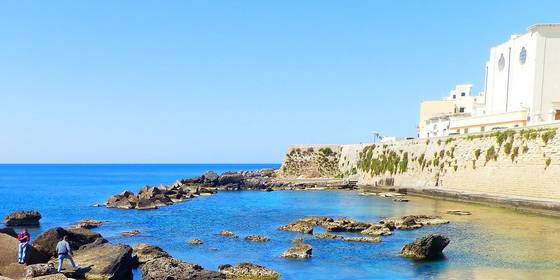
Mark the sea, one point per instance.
(492, 243)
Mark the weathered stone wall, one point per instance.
(521, 163)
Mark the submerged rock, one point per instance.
(329, 236)
(299, 250)
(131, 233)
(363, 239)
(299, 227)
(459, 212)
(23, 218)
(412, 222)
(257, 238)
(196, 242)
(426, 248)
(248, 271)
(227, 233)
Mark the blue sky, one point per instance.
(232, 81)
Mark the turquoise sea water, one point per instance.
(492, 243)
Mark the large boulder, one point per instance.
(248, 271)
(210, 177)
(46, 242)
(426, 248)
(121, 202)
(145, 253)
(170, 268)
(23, 218)
(8, 257)
(9, 231)
(40, 269)
(105, 261)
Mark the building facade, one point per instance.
(522, 87)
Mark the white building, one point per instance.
(522, 87)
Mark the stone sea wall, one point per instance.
(522, 163)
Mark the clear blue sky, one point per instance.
(232, 81)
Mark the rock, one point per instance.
(120, 202)
(89, 224)
(8, 257)
(127, 194)
(105, 262)
(23, 218)
(459, 212)
(145, 204)
(210, 177)
(412, 222)
(317, 221)
(329, 236)
(346, 225)
(58, 276)
(41, 269)
(300, 227)
(400, 199)
(46, 242)
(226, 233)
(96, 205)
(169, 268)
(9, 231)
(426, 248)
(145, 253)
(257, 238)
(131, 233)
(363, 239)
(248, 271)
(299, 250)
(377, 230)
(97, 242)
(230, 178)
(196, 242)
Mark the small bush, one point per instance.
(514, 153)
(477, 154)
(547, 162)
(548, 135)
(507, 148)
(491, 154)
(525, 149)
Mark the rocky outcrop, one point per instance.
(426, 248)
(88, 224)
(227, 233)
(145, 253)
(412, 222)
(317, 221)
(248, 271)
(257, 238)
(378, 230)
(23, 218)
(299, 227)
(130, 233)
(346, 225)
(46, 242)
(170, 268)
(299, 250)
(106, 261)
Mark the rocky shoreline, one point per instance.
(154, 197)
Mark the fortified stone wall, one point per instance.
(521, 163)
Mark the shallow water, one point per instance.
(493, 243)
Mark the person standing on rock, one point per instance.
(64, 252)
(24, 239)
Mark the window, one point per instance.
(482, 128)
(501, 62)
(466, 130)
(462, 94)
(461, 109)
(454, 96)
(523, 56)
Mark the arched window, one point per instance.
(523, 55)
